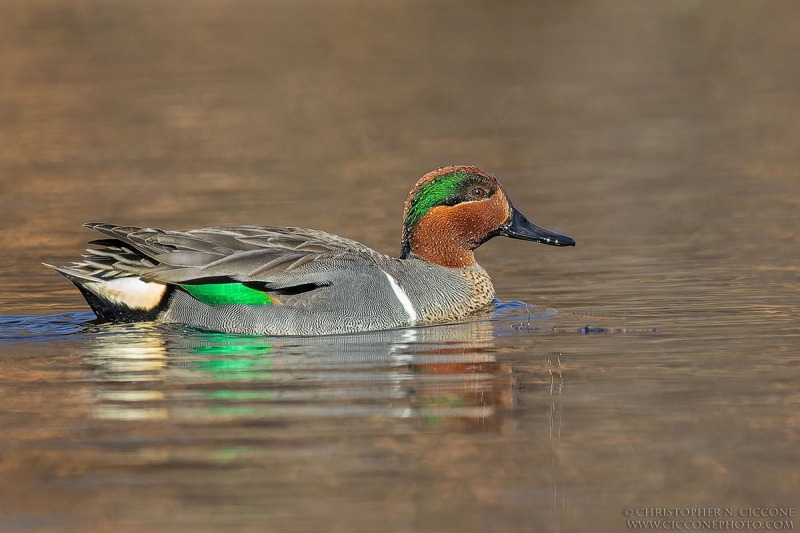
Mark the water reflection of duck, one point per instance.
(294, 281)
(440, 375)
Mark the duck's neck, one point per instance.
(438, 255)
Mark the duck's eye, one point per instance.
(478, 192)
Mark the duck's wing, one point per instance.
(270, 254)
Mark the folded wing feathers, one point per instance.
(283, 262)
(189, 242)
(119, 255)
(187, 258)
(240, 252)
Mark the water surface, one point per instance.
(654, 365)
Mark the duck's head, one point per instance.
(453, 210)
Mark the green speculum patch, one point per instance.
(227, 294)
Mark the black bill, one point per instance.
(520, 227)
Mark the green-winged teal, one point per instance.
(294, 281)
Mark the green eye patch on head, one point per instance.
(448, 189)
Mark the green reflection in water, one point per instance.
(233, 356)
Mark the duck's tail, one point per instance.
(108, 281)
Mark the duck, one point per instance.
(276, 280)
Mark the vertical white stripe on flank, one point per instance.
(405, 301)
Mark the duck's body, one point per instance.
(294, 281)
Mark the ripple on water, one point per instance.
(506, 318)
(41, 328)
